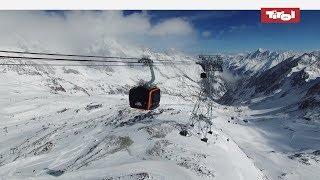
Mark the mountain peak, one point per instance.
(260, 50)
(258, 53)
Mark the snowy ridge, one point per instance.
(255, 62)
(290, 80)
(280, 109)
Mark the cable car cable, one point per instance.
(75, 55)
(34, 64)
(70, 55)
(83, 60)
(59, 59)
(7, 64)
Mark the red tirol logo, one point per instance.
(280, 15)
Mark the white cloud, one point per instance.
(206, 33)
(239, 28)
(175, 26)
(77, 30)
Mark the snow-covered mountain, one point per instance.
(71, 122)
(289, 82)
(281, 91)
(255, 62)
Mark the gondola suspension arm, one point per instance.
(149, 62)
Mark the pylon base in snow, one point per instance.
(204, 139)
(183, 133)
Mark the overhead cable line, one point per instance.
(75, 55)
(81, 60)
(68, 55)
(63, 59)
(34, 64)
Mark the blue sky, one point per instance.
(238, 31)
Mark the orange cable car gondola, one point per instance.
(147, 96)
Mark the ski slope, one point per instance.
(63, 135)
